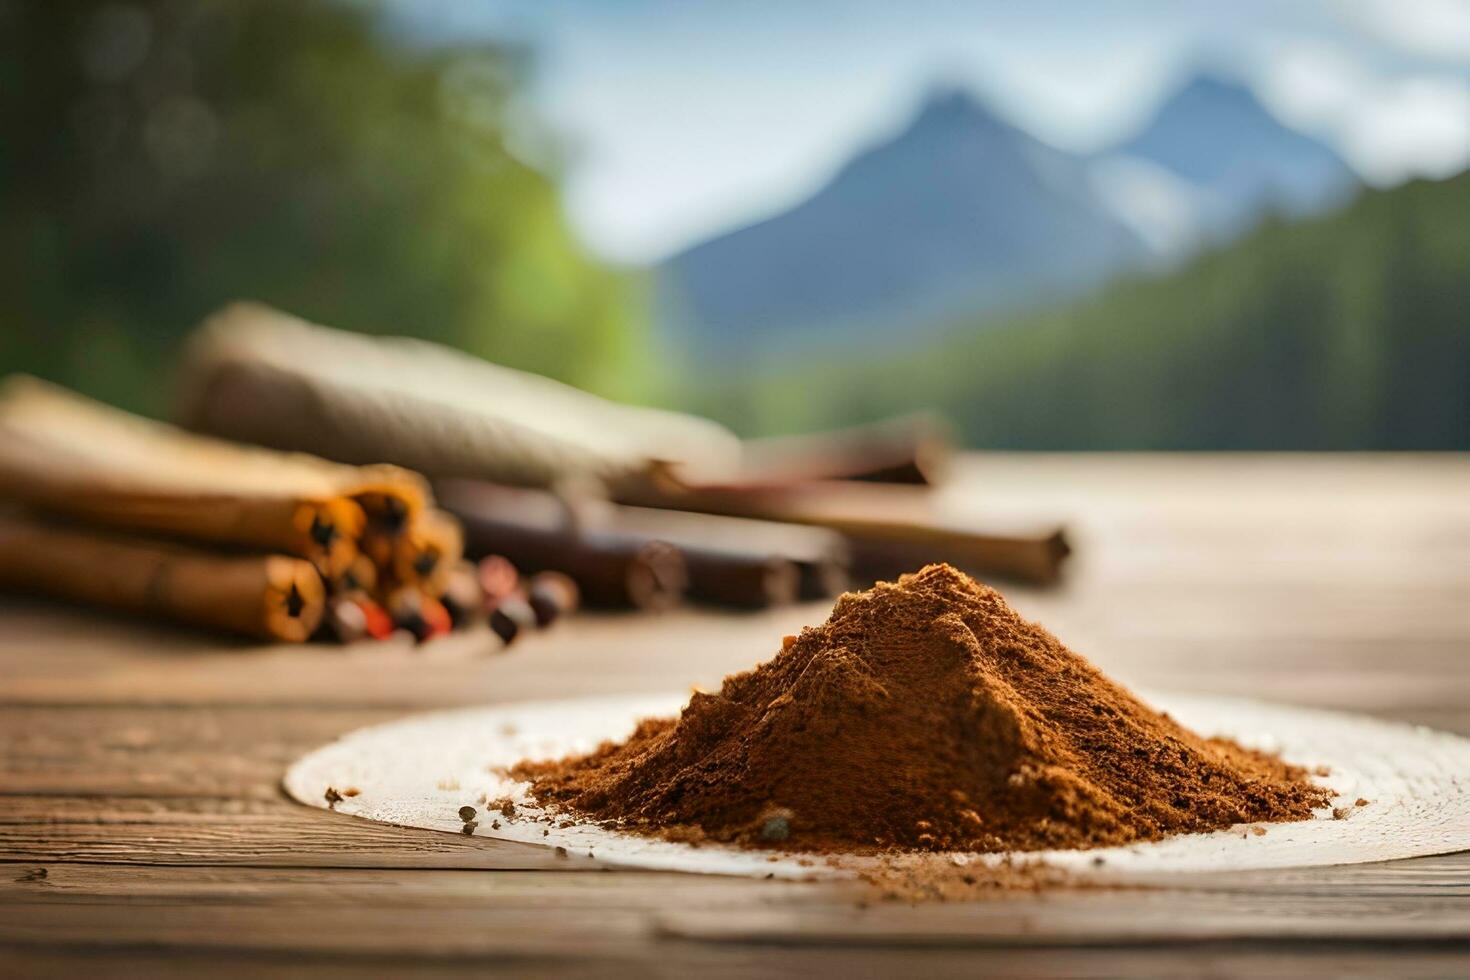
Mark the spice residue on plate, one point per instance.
(924, 715)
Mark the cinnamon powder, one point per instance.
(923, 715)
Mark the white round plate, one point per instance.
(418, 772)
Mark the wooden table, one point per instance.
(142, 829)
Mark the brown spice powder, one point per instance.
(924, 715)
(894, 879)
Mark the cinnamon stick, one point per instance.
(821, 557)
(889, 528)
(726, 561)
(882, 554)
(67, 455)
(427, 551)
(608, 570)
(262, 376)
(911, 449)
(537, 533)
(268, 597)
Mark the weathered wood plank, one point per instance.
(1446, 876)
(684, 959)
(226, 752)
(484, 930)
(66, 883)
(259, 832)
(1149, 919)
(520, 927)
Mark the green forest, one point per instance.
(1345, 332)
(161, 159)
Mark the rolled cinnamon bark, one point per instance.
(724, 552)
(726, 561)
(269, 597)
(67, 455)
(360, 577)
(427, 551)
(741, 579)
(889, 528)
(911, 449)
(387, 517)
(609, 570)
(880, 553)
(262, 376)
(536, 532)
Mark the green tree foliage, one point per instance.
(1346, 332)
(161, 158)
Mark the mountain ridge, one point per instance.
(1215, 134)
(1343, 331)
(962, 213)
(958, 209)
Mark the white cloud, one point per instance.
(1390, 128)
(1314, 85)
(1415, 127)
(1161, 207)
(1432, 28)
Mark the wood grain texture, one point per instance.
(142, 830)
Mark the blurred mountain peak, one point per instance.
(958, 210)
(951, 106)
(1207, 84)
(1226, 106)
(1215, 132)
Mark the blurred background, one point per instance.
(1063, 225)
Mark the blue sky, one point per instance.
(678, 120)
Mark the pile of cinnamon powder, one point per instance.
(924, 715)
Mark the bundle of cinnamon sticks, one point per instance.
(109, 509)
(617, 505)
(679, 505)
